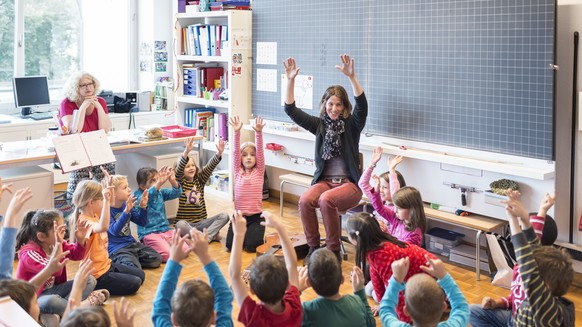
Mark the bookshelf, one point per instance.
(233, 55)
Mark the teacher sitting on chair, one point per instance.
(337, 135)
(81, 94)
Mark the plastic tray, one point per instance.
(177, 131)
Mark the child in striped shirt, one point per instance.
(192, 207)
(249, 175)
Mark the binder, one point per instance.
(204, 40)
(212, 34)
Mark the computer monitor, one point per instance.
(30, 91)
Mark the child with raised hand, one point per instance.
(405, 218)
(385, 186)
(192, 206)
(502, 310)
(425, 300)
(123, 248)
(546, 273)
(324, 275)
(92, 207)
(4, 188)
(157, 233)
(194, 303)
(272, 281)
(41, 231)
(249, 174)
(8, 234)
(76, 315)
(378, 249)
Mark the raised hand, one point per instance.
(235, 123)
(291, 69)
(163, 175)
(59, 232)
(303, 277)
(434, 267)
(123, 313)
(400, 269)
(239, 223)
(270, 220)
(200, 244)
(376, 180)
(393, 162)
(143, 202)
(188, 146)
(513, 205)
(347, 66)
(130, 203)
(107, 185)
(177, 252)
(83, 226)
(4, 188)
(376, 155)
(358, 280)
(58, 258)
(172, 176)
(13, 212)
(220, 145)
(259, 124)
(546, 203)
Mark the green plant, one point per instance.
(499, 186)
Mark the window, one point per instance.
(58, 37)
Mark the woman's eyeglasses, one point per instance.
(82, 86)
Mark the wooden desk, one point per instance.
(474, 222)
(38, 155)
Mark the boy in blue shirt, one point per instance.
(123, 247)
(194, 301)
(425, 299)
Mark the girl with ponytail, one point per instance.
(378, 250)
(41, 230)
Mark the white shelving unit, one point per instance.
(235, 58)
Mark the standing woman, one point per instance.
(337, 135)
(81, 94)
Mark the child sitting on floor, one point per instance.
(194, 303)
(192, 206)
(271, 280)
(324, 275)
(424, 297)
(157, 234)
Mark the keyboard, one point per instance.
(40, 115)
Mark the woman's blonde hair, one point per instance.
(71, 88)
(86, 191)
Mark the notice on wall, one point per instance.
(267, 53)
(267, 80)
(303, 91)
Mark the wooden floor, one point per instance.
(473, 290)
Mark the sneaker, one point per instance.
(98, 297)
(311, 250)
(183, 227)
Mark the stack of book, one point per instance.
(230, 5)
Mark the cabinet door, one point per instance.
(119, 122)
(39, 130)
(14, 135)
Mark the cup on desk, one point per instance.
(25, 111)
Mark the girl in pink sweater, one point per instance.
(35, 240)
(249, 175)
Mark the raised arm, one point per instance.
(288, 250)
(75, 297)
(12, 223)
(103, 224)
(260, 154)
(291, 70)
(239, 226)
(236, 125)
(348, 68)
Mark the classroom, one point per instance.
(466, 98)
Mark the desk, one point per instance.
(39, 154)
(474, 222)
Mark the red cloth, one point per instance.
(380, 262)
(91, 122)
(257, 314)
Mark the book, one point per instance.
(12, 315)
(78, 120)
(82, 150)
(209, 75)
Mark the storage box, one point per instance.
(441, 241)
(177, 131)
(465, 255)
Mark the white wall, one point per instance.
(155, 23)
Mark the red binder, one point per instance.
(209, 74)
